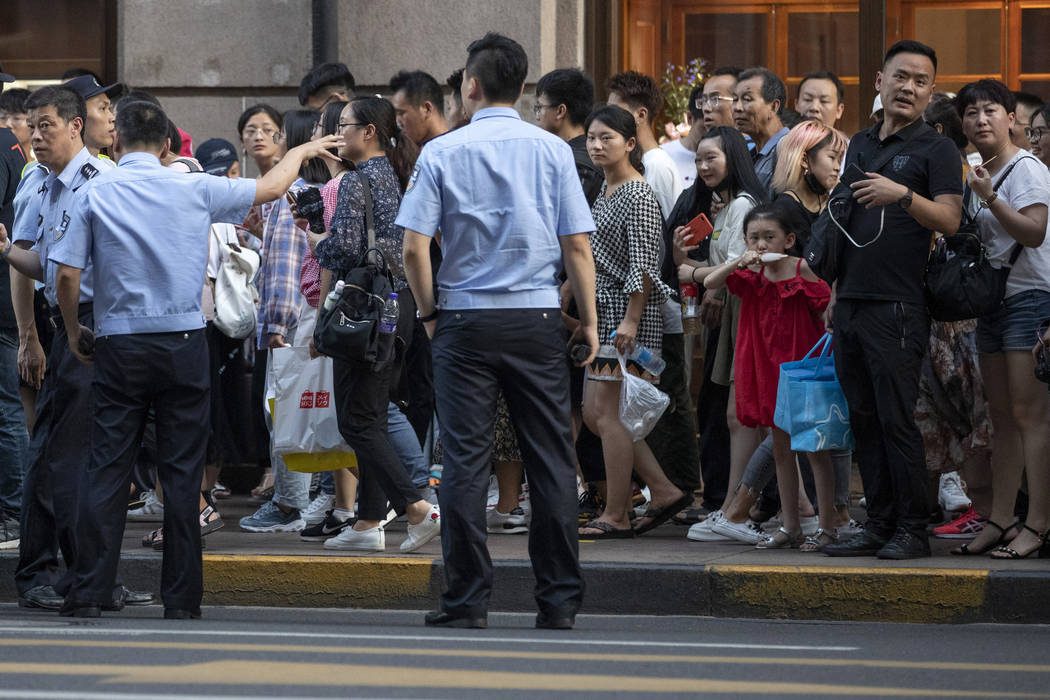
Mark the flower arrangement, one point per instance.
(677, 83)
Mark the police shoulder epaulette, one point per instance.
(88, 171)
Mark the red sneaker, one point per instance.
(965, 526)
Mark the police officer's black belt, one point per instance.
(55, 315)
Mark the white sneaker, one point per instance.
(428, 529)
(512, 523)
(748, 532)
(372, 540)
(809, 525)
(493, 495)
(951, 495)
(703, 531)
(152, 511)
(525, 503)
(315, 512)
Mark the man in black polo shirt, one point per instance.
(564, 98)
(881, 324)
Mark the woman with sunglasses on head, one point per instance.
(1008, 199)
(382, 156)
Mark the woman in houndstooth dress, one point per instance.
(629, 295)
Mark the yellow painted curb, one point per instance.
(309, 580)
(843, 593)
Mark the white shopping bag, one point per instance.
(300, 392)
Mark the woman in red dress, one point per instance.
(782, 303)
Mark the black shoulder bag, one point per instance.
(825, 237)
(961, 282)
(349, 330)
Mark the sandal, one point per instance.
(965, 550)
(158, 542)
(781, 539)
(608, 532)
(220, 491)
(210, 521)
(1011, 553)
(659, 516)
(264, 491)
(150, 538)
(818, 540)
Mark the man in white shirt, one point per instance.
(639, 95)
(683, 150)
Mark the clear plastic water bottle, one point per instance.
(391, 310)
(645, 358)
(690, 309)
(333, 296)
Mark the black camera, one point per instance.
(1042, 356)
(310, 206)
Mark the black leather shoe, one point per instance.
(43, 597)
(69, 609)
(863, 544)
(440, 618)
(905, 545)
(182, 614)
(555, 621)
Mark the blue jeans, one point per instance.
(14, 438)
(406, 443)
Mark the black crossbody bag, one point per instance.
(961, 282)
(824, 247)
(349, 331)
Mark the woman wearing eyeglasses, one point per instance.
(1038, 135)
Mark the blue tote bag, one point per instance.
(811, 407)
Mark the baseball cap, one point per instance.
(6, 78)
(87, 87)
(216, 156)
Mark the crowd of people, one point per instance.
(534, 265)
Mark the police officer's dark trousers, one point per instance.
(879, 346)
(168, 372)
(58, 456)
(522, 352)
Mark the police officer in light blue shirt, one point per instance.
(58, 455)
(508, 202)
(144, 229)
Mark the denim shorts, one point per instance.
(1015, 325)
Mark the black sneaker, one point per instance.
(329, 527)
(589, 506)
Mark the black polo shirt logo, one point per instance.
(899, 162)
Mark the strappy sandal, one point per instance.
(150, 538)
(264, 490)
(158, 541)
(965, 550)
(1011, 553)
(781, 539)
(818, 540)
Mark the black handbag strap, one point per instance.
(1016, 251)
(370, 224)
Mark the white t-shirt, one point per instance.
(1027, 184)
(727, 239)
(684, 160)
(662, 175)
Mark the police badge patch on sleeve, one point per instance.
(61, 230)
(412, 178)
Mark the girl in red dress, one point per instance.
(781, 319)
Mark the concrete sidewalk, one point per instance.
(661, 573)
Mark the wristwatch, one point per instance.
(985, 203)
(905, 201)
(7, 250)
(429, 317)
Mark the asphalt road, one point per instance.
(324, 653)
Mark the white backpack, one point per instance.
(236, 298)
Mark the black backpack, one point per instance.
(961, 282)
(349, 331)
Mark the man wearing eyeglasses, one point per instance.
(718, 97)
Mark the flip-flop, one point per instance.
(608, 532)
(661, 515)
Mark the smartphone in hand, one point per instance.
(699, 229)
(853, 174)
